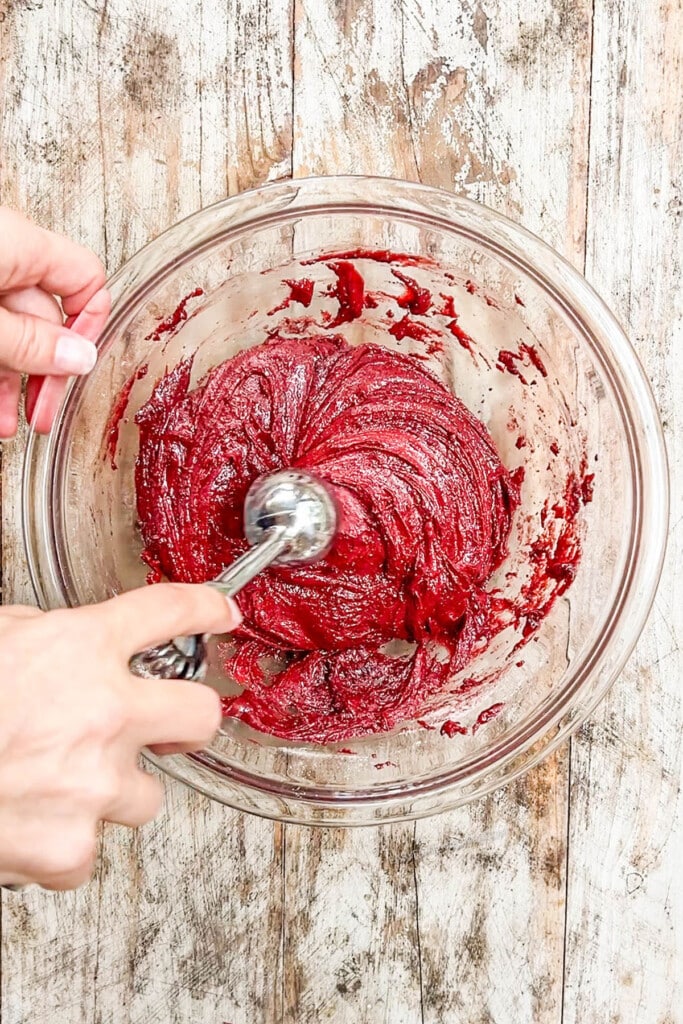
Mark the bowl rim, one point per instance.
(594, 322)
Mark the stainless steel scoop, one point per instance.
(289, 518)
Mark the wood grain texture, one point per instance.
(350, 938)
(49, 145)
(625, 889)
(118, 117)
(444, 94)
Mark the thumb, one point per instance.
(29, 344)
(44, 393)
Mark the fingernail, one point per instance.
(74, 354)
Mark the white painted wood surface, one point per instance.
(560, 898)
(624, 952)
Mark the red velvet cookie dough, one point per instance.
(425, 514)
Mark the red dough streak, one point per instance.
(177, 317)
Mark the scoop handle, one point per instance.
(251, 563)
(185, 656)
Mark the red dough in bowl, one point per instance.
(425, 513)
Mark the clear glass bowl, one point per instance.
(79, 513)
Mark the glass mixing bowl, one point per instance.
(215, 284)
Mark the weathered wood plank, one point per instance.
(351, 948)
(122, 117)
(491, 877)
(51, 155)
(625, 895)
(465, 97)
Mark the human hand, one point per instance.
(73, 721)
(35, 266)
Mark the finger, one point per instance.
(44, 394)
(68, 859)
(91, 319)
(29, 344)
(152, 615)
(34, 301)
(10, 393)
(19, 611)
(175, 712)
(43, 399)
(34, 256)
(38, 303)
(140, 801)
(69, 879)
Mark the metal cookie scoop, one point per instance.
(289, 518)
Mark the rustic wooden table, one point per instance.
(559, 899)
